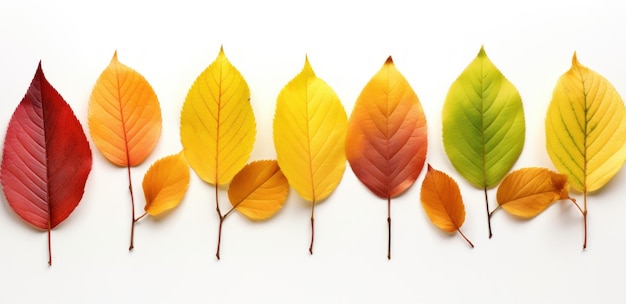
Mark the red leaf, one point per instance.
(46, 158)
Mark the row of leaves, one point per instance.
(46, 157)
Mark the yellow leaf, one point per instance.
(166, 183)
(217, 127)
(586, 131)
(586, 128)
(124, 115)
(529, 191)
(309, 135)
(442, 201)
(259, 190)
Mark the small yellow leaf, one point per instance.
(529, 191)
(217, 126)
(442, 202)
(259, 190)
(166, 183)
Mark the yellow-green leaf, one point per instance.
(165, 184)
(259, 190)
(309, 135)
(217, 126)
(529, 191)
(586, 128)
(483, 123)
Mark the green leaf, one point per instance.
(483, 123)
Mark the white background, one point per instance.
(532, 42)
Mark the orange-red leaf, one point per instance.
(124, 115)
(529, 191)
(386, 142)
(259, 190)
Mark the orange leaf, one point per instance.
(259, 190)
(386, 142)
(529, 191)
(165, 184)
(124, 115)
(441, 199)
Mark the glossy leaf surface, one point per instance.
(259, 190)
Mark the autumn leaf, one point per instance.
(529, 191)
(387, 140)
(309, 136)
(165, 184)
(586, 131)
(483, 125)
(46, 158)
(124, 120)
(258, 191)
(442, 202)
(217, 126)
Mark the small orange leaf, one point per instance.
(442, 202)
(259, 190)
(166, 183)
(529, 191)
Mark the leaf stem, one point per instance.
(576, 204)
(312, 226)
(463, 235)
(494, 210)
(219, 214)
(141, 216)
(49, 245)
(132, 206)
(488, 216)
(388, 228)
(584, 211)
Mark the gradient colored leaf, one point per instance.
(309, 136)
(442, 202)
(586, 130)
(124, 120)
(483, 124)
(387, 138)
(259, 190)
(165, 184)
(217, 126)
(46, 158)
(529, 191)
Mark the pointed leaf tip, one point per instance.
(575, 60)
(389, 60)
(482, 51)
(114, 57)
(429, 167)
(222, 49)
(307, 67)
